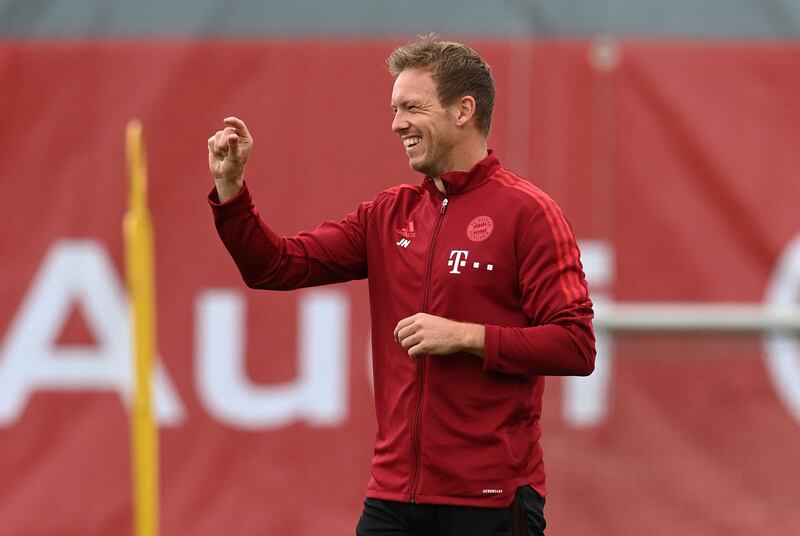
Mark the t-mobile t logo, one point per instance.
(459, 261)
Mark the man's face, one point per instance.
(426, 127)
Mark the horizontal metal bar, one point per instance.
(695, 317)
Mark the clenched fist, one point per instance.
(228, 151)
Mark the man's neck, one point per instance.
(473, 153)
(467, 160)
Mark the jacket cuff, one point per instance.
(239, 203)
(491, 348)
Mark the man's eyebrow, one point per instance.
(406, 103)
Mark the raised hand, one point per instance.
(228, 151)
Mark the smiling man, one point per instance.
(476, 293)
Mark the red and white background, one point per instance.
(677, 164)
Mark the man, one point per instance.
(476, 292)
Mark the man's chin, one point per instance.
(420, 166)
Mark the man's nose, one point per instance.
(399, 123)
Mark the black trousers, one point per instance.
(525, 517)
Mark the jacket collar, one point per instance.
(460, 181)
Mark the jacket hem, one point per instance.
(492, 501)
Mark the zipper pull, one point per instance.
(444, 205)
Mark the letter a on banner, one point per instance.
(139, 264)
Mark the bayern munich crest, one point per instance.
(480, 228)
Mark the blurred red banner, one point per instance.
(675, 162)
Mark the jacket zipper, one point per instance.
(421, 368)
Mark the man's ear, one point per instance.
(466, 110)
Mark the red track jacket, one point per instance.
(496, 251)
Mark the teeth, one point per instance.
(411, 142)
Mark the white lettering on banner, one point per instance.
(78, 273)
(74, 273)
(586, 398)
(782, 349)
(318, 395)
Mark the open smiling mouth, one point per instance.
(411, 142)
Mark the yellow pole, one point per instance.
(139, 266)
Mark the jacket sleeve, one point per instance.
(332, 253)
(560, 338)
